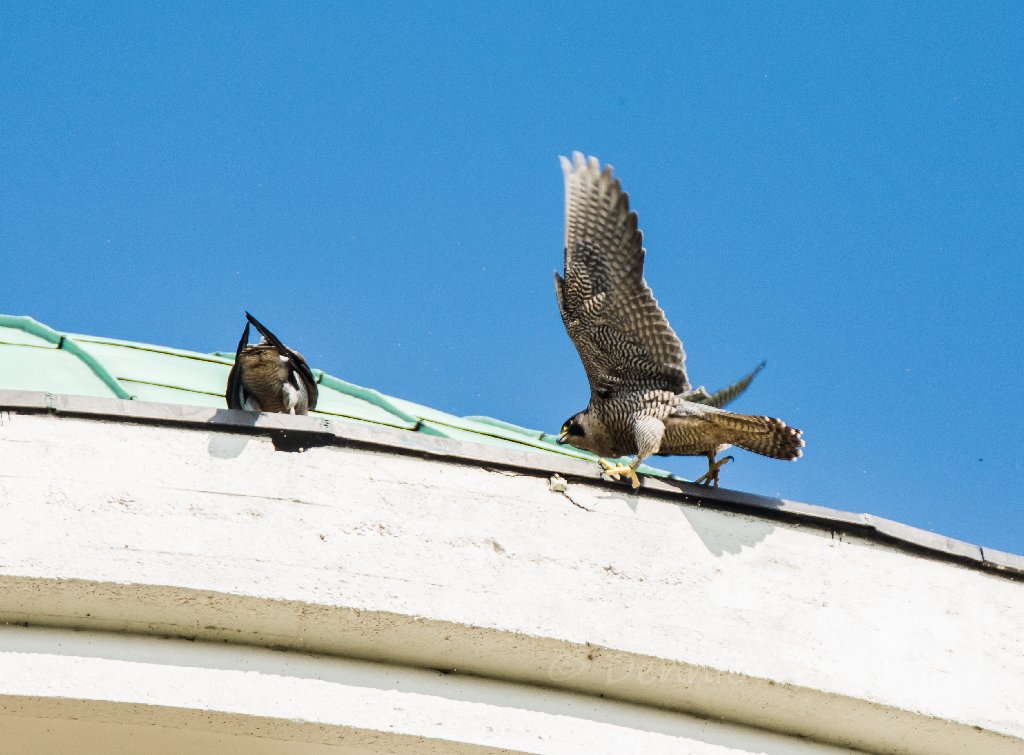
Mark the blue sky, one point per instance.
(836, 189)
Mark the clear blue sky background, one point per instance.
(838, 189)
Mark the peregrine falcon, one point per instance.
(269, 377)
(640, 398)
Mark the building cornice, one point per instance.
(296, 432)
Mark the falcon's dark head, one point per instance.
(588, 432)
(578, 431)
(574, 427)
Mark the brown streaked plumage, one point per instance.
(269, 377)
(641, 402)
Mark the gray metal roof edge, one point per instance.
(291, 432)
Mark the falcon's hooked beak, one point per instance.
(562, 438)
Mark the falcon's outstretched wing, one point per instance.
(619, 330)
(235, 393)
(726, 395)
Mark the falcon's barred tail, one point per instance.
(767, 436)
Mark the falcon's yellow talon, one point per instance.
(710, 478)
(617, 469)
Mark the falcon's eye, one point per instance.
(573, 429)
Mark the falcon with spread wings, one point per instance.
(641, 403)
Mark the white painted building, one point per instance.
(177, 578)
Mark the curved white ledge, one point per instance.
(407, 563)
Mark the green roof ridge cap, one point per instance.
(32, 327)
(485, 420)
(368, 395)
(68, 344)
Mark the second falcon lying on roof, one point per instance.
(633, 358)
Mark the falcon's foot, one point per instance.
(614, 470)
(710, 478)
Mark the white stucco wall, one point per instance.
(702, 629)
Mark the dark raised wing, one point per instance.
(724, 396)
(235, 388)
(613, 319)
(298, 361)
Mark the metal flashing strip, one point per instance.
(319, 431)
(199, 356)
(369, 395)
(68, 344)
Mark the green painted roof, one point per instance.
(34, 357)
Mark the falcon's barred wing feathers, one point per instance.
(620, 332)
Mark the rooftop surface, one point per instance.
(44, 370)
(38, 358)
